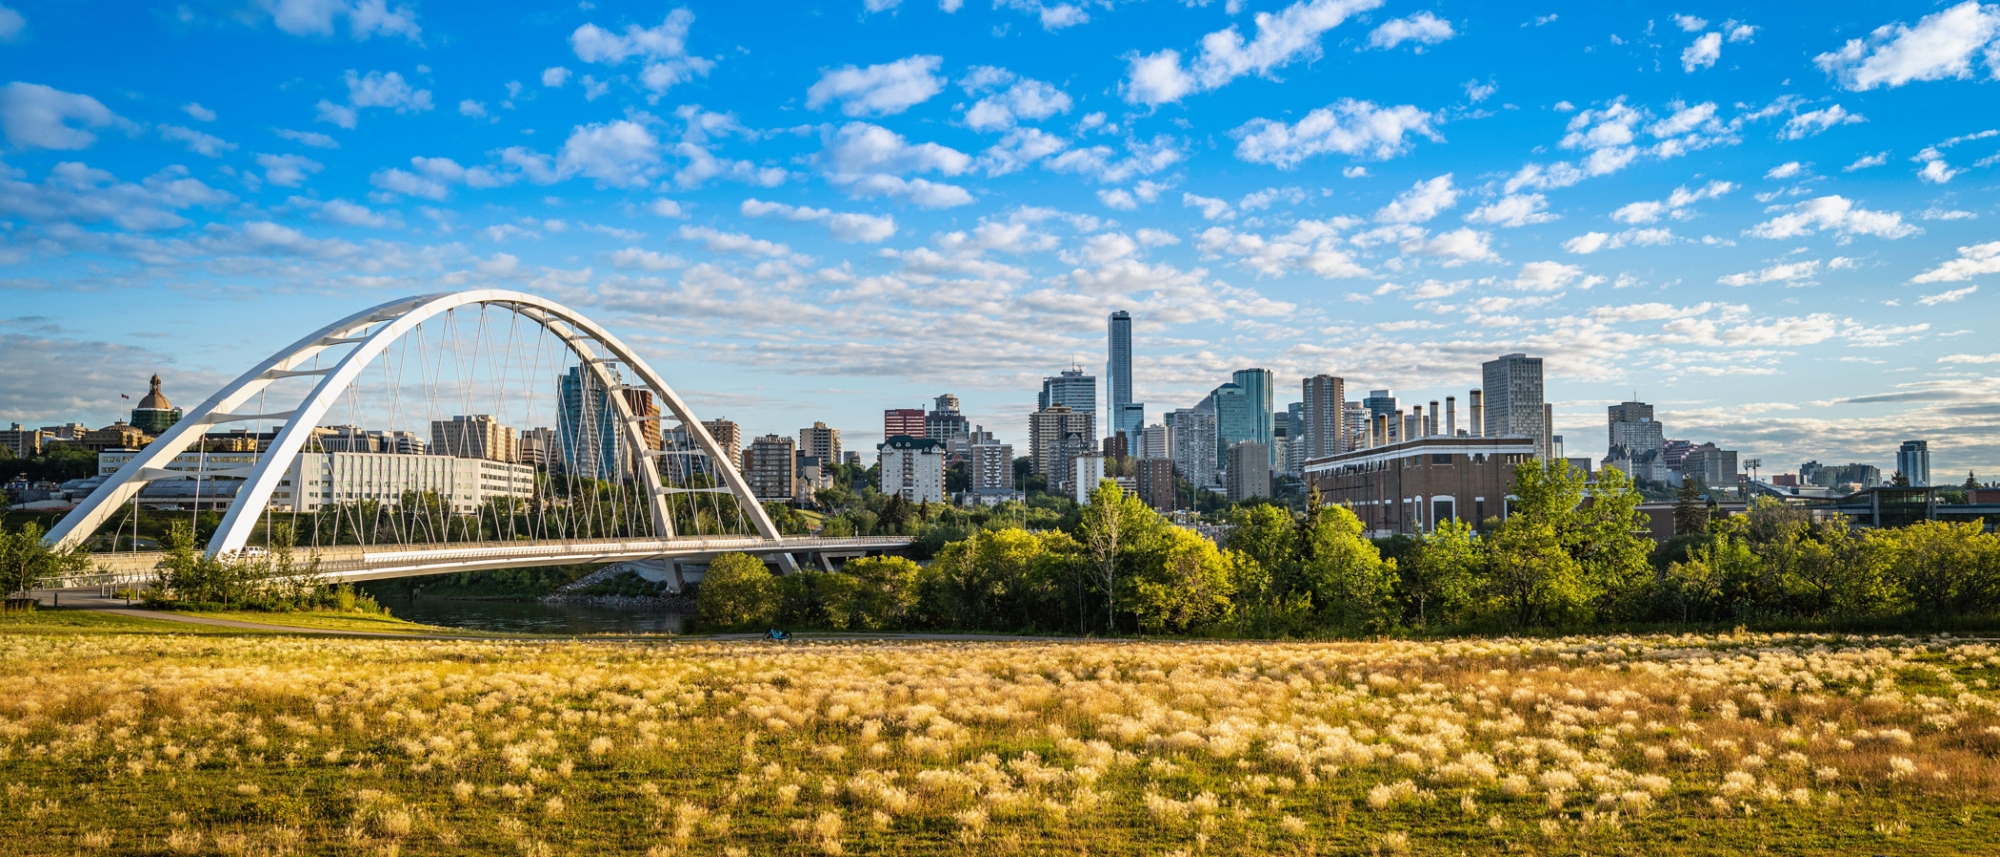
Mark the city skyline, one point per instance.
(880, 206)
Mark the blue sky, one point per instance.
(1778, 227)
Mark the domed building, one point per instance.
(155, 414)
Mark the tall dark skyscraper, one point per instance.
(1118, 375)
(1324, 431)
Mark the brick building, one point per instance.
(1407, 487)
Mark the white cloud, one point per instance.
(646, 260)
(1970, 358)
(377, 89)
(79, 193)
(1456, 247)
(287, 170)
(717, 241)
(11, 23)
(921, 192)
(1807, 124)
(472, 108)
(364, 18)
(1974, 260)
(1874, 160)
(1552, 276)
(37, 116)
(1008, 99)
(1834, 213)
(555, 76)
(1936, 171)
(663, 50)
(623, 153)
(1690, 23)
(1940, 213)
(844, 226)
(1513, 210)
(1101, 162)
(1950, 297)
(1476, 92)
(1940, 46)
(879, 90)
(665, 207)
(1118, 198)
(1788, 272)
(1675, 205)
(1421, 202)
(344, 213)
(1591, 242)
(198, 112)
(1211, 208)
(308, 138)
(1423, 28)
(1348, 127)
(1157, 238)
(206, 145)
(1785, 170)
(1282, 37)
(1706, 49)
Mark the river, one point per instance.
(530, 617)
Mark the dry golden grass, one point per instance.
(1656, 745)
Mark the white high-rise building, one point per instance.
(1155, 442)
(912, 467)
(1193, 446)
(1089, 472)
(1514, 401)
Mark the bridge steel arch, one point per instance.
(395, 319)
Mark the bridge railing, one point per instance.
(134, 568)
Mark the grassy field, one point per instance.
(381, 623)
(141, 743)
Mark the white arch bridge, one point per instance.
(654, 490)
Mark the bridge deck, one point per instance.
(355, 563)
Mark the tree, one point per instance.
(1440, 574)
(1971, 482)
(1185, 586)
(738, 591)
(1349, 585)
(1556, 560)
(1945, 569)
(1112, 526)
(1690, 513)
(1899, 480)
(887, 592)
(25, 560)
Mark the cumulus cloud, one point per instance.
(1706, 49)
(376, 89)
(287, 170)
(555, 76)
(1973, 261)
(1422, 28)
(344, 213)
(844, 226)
(1810, 123)
(11, 24)
(879, 90)
(1457, 247)
(1941, 45)
(1553, 276)
(1513, 210)
(1864, 162)
(206, 145)
(1211, 208)
(1421, 202)
(1676, 205)
(1008, 99)
(1282, 37)
(308, 138)
(1799, 273)
(662, 51)
(1591, 242)
(646, 260)
(1950, 297)
(1348, 127)
(717, 241)
(41, 117)
(197, 112)
(620, 154)
(76, 192)
(1834, 214)
(1784, 171)
(364, 18)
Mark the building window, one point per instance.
(1443, 509)
(1440, 458)
(1479, 510)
